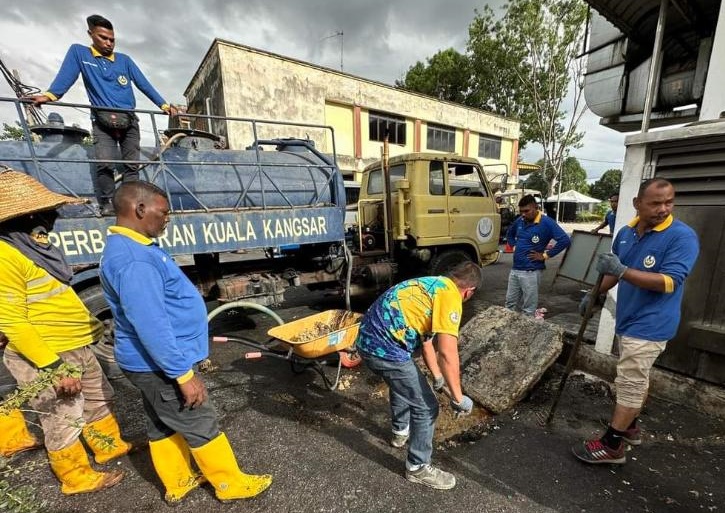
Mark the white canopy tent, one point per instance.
(568, 205)
(572, 196)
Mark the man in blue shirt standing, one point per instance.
(611, 216)
(161, 335)
(530, 234)
(650, 260)
(107, 77)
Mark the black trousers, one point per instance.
(166, 413)
(106, 143)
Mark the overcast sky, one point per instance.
(168, 40)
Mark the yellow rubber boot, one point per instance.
(104, 438)
(218, 464)
(73, 470)
(172, 461)
(14, 435)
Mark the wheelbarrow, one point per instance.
(321, 340)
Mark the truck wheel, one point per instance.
(445, 260)
(94, 300)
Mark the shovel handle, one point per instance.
(579, 337)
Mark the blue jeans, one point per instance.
(523, 291)
(412, 403)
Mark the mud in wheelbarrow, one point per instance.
(315, 342)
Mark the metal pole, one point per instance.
(388, 198)
(342, 43)
(558, 195)
(654, 70)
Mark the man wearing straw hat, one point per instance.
(47, 325)
(15, 435)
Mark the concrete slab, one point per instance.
(503, 355)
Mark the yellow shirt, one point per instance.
(40, 315)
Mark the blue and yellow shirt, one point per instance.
(611, 218)
(535, 236)
(160, 316)
(107, 79)
(407, 314)
(671, 249)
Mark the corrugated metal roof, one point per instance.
(688, 21)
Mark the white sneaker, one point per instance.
(431, 476)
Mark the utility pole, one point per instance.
(341, 35)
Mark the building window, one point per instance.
(382, 124)
(441, 138)
(489, 147)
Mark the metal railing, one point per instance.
(163, 171)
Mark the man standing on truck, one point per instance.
(650, 260)
(161, 336)
(47, 327)
(405, 318)
(530, 234)
(611, 216)
(107, 77)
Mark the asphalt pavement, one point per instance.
(329, 451)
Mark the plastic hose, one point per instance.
(244, 304)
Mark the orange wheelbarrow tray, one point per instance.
(309, 341)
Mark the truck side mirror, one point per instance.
(402, 185)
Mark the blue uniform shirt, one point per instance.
(535, 236)
(611, 217)
(670, 249)
(160, 316)
(107, 79)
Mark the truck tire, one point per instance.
(447, 259)
(96, 303)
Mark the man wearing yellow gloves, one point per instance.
(48, 325)
(161, 335)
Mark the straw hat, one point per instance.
(21, 194)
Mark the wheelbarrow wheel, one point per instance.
(350, 359)
(298, 366)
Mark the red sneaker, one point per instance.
(633, 436)
(594, 451)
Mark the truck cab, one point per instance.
(441, 211)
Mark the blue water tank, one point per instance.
(197, 178)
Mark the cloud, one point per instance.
(381, 40)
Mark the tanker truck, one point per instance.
(247, 224)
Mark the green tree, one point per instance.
(541, 39)
(522, 65)
(446, 76)
(10, 132)
(607, 184)
(494, 85)
(537, 181)
(573, 177)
